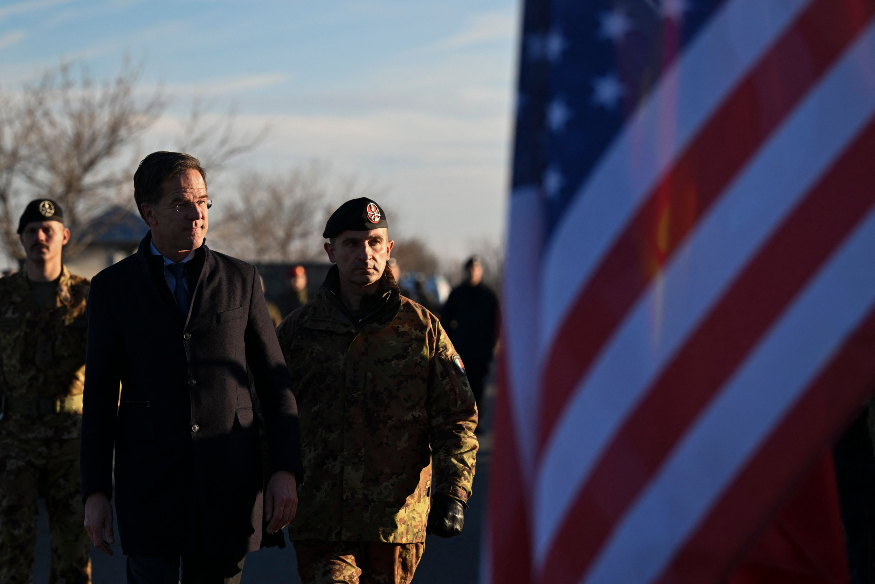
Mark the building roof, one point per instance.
(116, 227)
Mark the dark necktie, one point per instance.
(179, 291)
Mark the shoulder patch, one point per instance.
(457, 361)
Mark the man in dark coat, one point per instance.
(179, 326)
(471, 318)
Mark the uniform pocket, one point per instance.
(233, 314)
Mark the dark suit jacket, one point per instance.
(187, 464)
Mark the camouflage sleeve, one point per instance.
(453, 418)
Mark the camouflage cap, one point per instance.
(40, 210)
(362, 214)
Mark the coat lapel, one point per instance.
(153, 271)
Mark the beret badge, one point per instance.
(46, 208)
(373, 213)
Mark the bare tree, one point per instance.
(62, 138)
(17, 131)
(414, 256)
(217, 139)
(281, 217)
(71, 140)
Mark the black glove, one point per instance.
(446, 518)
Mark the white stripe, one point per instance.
(720, 246)
(736, 424)
(522, 265)
(687, 95)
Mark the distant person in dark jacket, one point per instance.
(471, 318)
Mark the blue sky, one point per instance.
(410, 95)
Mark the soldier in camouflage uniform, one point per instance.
(42, 348)
(384, 404)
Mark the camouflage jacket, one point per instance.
(383, 402)
(42, 354)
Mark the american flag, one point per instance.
(689, 290)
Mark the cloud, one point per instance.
(11, 38)
(231, 85)
(29, 6)
(485, 27)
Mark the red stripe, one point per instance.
(510, 559)
(725, 143)
(711, 354)
(819, 416)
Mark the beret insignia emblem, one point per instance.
(46, 209)
(373, 213)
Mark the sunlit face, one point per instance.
(43, 241)
(183, 229)
(361, 256)
(298, 282)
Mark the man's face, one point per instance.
(299, 282)
(361, 256)
(43, 241)
(475, 273)
(180, 220)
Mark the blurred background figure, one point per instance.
(296, 295)
(470, 316)
(275, 315)
(393, 266)
(414, 286)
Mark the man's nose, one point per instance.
(194, 211)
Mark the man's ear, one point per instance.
(329, 249)
(66, 235)
(389, 247)
(149, 213)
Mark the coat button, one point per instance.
(191, 381)
(195, 427)
(186, 336)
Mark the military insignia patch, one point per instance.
(373, 213)
(457, 361)
(46, 208)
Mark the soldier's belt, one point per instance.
(43, 406)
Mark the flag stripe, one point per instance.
(693, 184)
(508, 529)
(726, 336)
(705, 266)
(734, 520)
(690, 91)
(525, 230)
(757, 398)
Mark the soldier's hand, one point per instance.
(446, 517)
(98, 522)
(280, 500)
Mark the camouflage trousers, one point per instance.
(33, 468)
(357, 562)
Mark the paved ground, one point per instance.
(453, 560)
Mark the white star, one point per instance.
(614, 25)
(553, 181)
(554, 45)
(535, 47)
(607, 91)
(557, 115)
(673, 9)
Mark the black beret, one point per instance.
(40, 210)
(361, 214)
